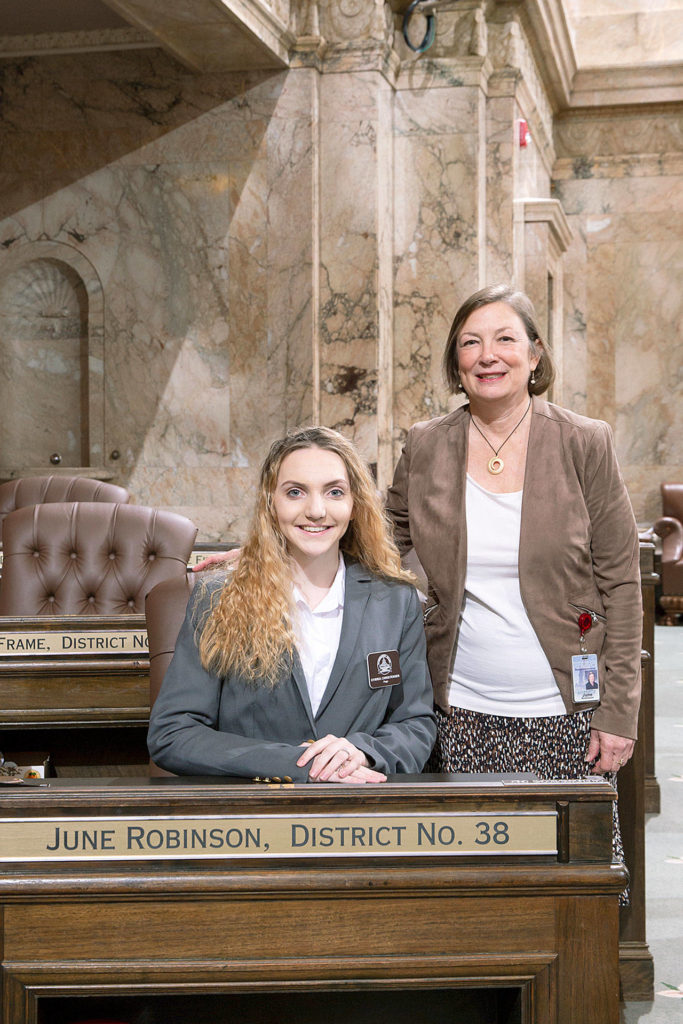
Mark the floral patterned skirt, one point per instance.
(553, 748)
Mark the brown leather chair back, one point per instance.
(89, 558)
(672, 501)
(669, 526)
(165, 608)
(37, 490)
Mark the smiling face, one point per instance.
(495, 357)
(312, 503)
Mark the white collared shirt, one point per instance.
(317, 632)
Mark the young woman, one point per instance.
(306, 662)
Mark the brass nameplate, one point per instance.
(307, 835)
(198, 556)
(73, 642)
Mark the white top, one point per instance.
(317, 632)
(499, 667)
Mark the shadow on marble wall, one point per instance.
(168, 184)
(66, 117)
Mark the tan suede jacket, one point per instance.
(578, 550)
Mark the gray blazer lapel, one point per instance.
(357, 592)
(300, 680)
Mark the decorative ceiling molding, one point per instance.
(213, 35)
(628, 86)
(550, 212)
(75, 42)
(545, 24)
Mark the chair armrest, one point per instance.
(671, 532)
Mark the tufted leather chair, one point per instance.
(89, 558)
(670, 528)
(165, 608)
(37, 490)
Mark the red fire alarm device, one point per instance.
(524, 135)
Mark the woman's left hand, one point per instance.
(335, 759)
(609, 752)
(356, 778)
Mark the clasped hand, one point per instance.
(609, 752)
(336, 759)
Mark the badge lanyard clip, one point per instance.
(585, 626)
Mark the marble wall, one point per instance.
(261, 249)
(182, 192)
(623, 33)
(619, 181)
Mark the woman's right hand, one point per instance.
(231, 557)
(336, 759)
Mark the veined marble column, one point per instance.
(351, 188)
(440, 190)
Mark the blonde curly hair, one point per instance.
(249, 628)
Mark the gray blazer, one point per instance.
(204, 725)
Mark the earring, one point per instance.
(532, 378)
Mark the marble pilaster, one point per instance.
(625, 206)
(438, 147)
(348, 339)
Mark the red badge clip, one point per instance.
(585, 623)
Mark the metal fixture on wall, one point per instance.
(428, 9)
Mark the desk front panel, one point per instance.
(326, 924)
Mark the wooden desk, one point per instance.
(638, 796)
(497, 936)
(86, 706)
(649, 580)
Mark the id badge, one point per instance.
(585, 678)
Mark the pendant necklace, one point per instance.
(495, 464)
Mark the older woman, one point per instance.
(518, 514)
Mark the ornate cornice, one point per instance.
(545, 25)
(629, 165)
(75, 42)
(550, 212)
(221, 35)
(627, 86)
(346, 36)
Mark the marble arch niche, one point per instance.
(50, 368)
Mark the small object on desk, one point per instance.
(32, 765)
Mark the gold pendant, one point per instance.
(495, 465)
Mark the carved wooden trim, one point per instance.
(534, 975)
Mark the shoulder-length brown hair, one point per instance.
(544, 373)
(249, 628)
